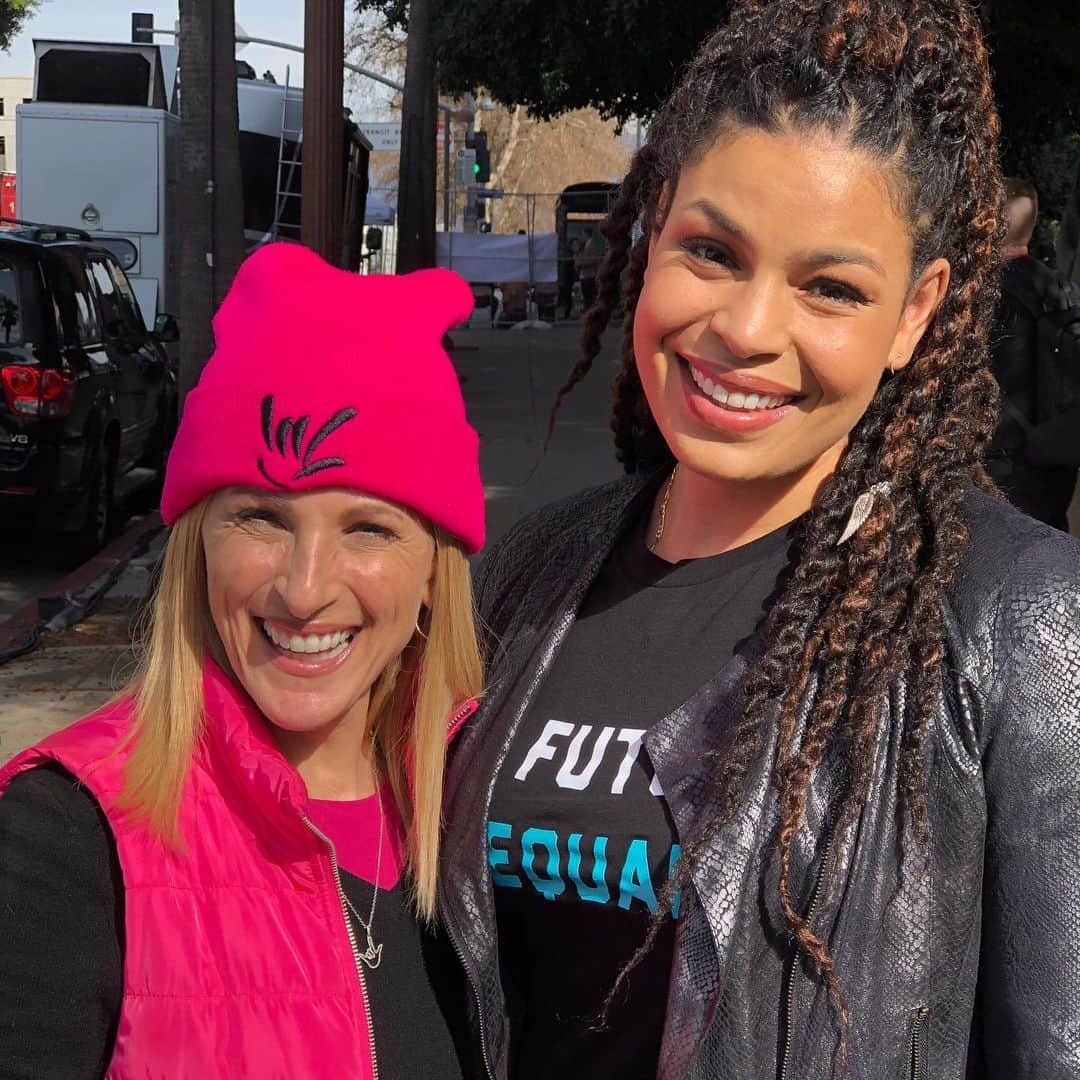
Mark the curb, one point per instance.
(60, 594)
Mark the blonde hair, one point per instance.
(411, 707)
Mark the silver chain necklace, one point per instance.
(372, 955)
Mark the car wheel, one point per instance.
(101, 505)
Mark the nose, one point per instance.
(752, 319)
(307, 581)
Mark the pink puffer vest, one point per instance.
(237, 957)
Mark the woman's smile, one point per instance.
(733, 401)
(307, 651)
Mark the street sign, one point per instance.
(382, 136)
(490, 193)
(465, 164)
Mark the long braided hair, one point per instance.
(906, 82)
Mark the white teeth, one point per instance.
(310, 644)
(735, 399)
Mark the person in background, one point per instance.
(1035, 357)
(230, 870)
(567, 276)
(588, 263)
(777, 774)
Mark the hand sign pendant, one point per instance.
(372, 955)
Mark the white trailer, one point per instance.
(99, 150)
(111, 171)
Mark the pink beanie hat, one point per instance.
(322, 378)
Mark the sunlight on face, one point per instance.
(776, 292)
(313, 595)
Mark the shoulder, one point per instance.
(46, 809)
(92, 749)
(1031, 277)
(550, 540)
(1016, 605)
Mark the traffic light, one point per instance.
(477, 141)
(482, 171)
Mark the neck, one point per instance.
(707, 515)
(1015, 251)
(336, 762)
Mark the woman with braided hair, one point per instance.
(778, 772)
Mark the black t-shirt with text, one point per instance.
(580, 840)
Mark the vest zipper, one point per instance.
(352, 943)
(488, 1072)
(460, 714)
(789, 997)
(915, 1055)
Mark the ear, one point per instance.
(428, 595)
(921, 306)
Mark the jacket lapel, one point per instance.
(683, 748)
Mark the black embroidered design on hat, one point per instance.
(287, 440)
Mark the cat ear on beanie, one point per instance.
(325, 378)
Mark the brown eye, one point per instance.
(706, 250)
(838, 292)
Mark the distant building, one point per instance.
(14, 89)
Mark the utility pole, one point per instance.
(211, 194)
(416, 182)
(322, 206)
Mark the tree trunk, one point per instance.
(322, 207)
(416, 181)
(210, 191)
(508, 147)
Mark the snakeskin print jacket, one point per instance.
(968, 966)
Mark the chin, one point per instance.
(739, 464)
(298, 708)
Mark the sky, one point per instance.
(110, 20)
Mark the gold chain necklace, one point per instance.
(658, 535)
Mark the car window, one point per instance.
(119, 314)
(127, 296)
(78, 313)
(11, 329)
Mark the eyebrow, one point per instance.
(815, 260)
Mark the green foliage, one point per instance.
(619, 56)
(623, 56)
(13, 13)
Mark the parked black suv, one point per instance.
(88, 394)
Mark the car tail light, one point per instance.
(57, 392)
(30, 392)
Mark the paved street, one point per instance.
(510, 379)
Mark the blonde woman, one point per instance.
(230, 870)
